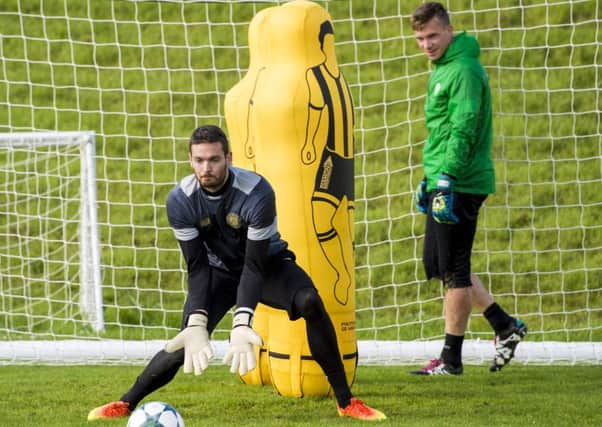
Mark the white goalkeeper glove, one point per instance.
(241, 354)
(195, 341)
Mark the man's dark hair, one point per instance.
(209, 133)
(427, 11)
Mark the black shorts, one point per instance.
(283, 281)
(448, 247)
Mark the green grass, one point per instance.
(517, 396)
(87, 65)
(92, 65)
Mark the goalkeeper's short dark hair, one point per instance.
(209, 133)
(427, 11)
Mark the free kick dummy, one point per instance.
(291, 119)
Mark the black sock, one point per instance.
(323, 344)
(497, 318)
(159, 371)
(324, 349)
(452, 350)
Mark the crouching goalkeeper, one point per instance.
(224, 219)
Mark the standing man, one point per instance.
(459, 175)
(224, 219)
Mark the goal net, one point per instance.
(48, 229)
(141, 75)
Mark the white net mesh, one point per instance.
(49, 249)
(143, 74)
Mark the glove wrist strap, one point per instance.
(197, 318)
(446, 182)
(243, 316)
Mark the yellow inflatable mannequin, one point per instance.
(291, 119)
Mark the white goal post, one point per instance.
(90, 271)
(48, 209)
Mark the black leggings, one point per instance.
(301, 301)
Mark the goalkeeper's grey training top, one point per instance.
(234, 229)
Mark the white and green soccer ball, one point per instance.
(155, 414)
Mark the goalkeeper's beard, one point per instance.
(212, 183)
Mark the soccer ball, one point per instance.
(155, 414)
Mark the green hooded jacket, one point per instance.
(459, 121)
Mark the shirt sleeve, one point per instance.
(183, 219)
(262, 227)
(181, 215)
(253, 273)
(199, 274)
(262, 213)
(465, 100)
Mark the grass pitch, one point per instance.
(517, 396)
